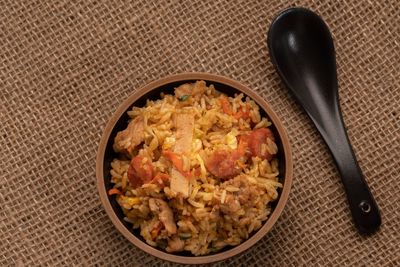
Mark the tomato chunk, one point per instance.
(256, 139)
(114, 191)
(242, 113)
(197, 171)
(243, 145)
(139, 173)
(222, 164)
(226, 106)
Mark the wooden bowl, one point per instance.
(119, 121)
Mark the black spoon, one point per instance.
(301, 48)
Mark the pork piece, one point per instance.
(184, 124)
(164, 213)
(231, 205)
(176, 244)
(190, 89)
(184, 89)
(179, 183)
(247, 196)
(131, 137)
(248, 193)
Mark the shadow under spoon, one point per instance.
(302, 50)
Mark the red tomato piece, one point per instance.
(256, 139)
(139, 173)
(242, 113)
(243, 145)
(114, 191)
(222, 164)
(197, 171)
(226, 106)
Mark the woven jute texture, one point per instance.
(67, 65)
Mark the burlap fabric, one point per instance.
(67, 65)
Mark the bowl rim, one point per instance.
(268, 224)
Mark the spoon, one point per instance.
(301, 48)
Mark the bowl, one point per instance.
(119, 121)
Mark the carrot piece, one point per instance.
(177, 161)
(241, 164)
(226, 106)
(154, 232)
(114, 191)
(243, 145)
(160, 178)
(242, 113)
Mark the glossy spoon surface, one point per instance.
(302, 50)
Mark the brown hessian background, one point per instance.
(67, 65)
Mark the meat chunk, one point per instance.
(132, 136)
(231, 205)
(184, 89)
(184, 124)
(140, 172)
(199, 88)
(176, 244)
(258, 143)
(193, 89)
(164, 213)
(179, 183)
(247, 196)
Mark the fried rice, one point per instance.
(196, 171)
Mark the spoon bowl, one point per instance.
(302, 50)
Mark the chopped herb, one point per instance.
(214, 249)
(162, 243)
(184, 97)
(185, 236)
(217, 93)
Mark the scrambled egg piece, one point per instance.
(127, 202)
(169, 143)
(230, 138)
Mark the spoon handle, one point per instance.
(328, 120)
(302, 50)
